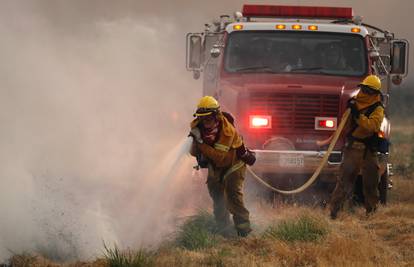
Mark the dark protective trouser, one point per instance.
(357, 158)
(227, 195)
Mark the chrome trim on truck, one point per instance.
(294, 161)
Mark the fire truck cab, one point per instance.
(286, 74)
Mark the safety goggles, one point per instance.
(202, 112)
(368, 90)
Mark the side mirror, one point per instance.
(194, 53)
(399, 57)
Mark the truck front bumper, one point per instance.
(295, 162)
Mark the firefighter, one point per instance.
(218, 147)
(360, 151)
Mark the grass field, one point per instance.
(290, 235)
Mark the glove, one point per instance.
(354, 109)
(247, 156)
(196, 135)
(202, 161)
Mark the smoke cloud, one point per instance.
(93, 114)
(94, 107)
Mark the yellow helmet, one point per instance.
(207, 106)
(373, 82)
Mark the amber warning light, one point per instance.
(297, 11)
(260, 122)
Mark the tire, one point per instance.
(383, 188)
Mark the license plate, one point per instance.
(291, 161)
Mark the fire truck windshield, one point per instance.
(296, 52)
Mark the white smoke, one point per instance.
(91, 119)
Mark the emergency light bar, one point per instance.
(297, 12)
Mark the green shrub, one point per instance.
(197, 232)
(304, 228)
(117, 258)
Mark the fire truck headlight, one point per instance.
(329, 124)
(325, 123)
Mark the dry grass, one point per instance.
(384, 239)
(28, 260)
(350, 242)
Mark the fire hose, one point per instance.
(318, 170)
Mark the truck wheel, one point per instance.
(383, 188)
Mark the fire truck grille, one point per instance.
(294, 111)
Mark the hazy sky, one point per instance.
(74, 16)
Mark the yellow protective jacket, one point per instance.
(366, 126)
(223, 153)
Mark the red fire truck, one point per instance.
(286, 73)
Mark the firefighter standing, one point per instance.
(218, 146)
(360, 152)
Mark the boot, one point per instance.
(244, 232)
(369, 211)
(243, 229)
(334, 212)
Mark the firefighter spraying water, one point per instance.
(286, 73)
(218, 147)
